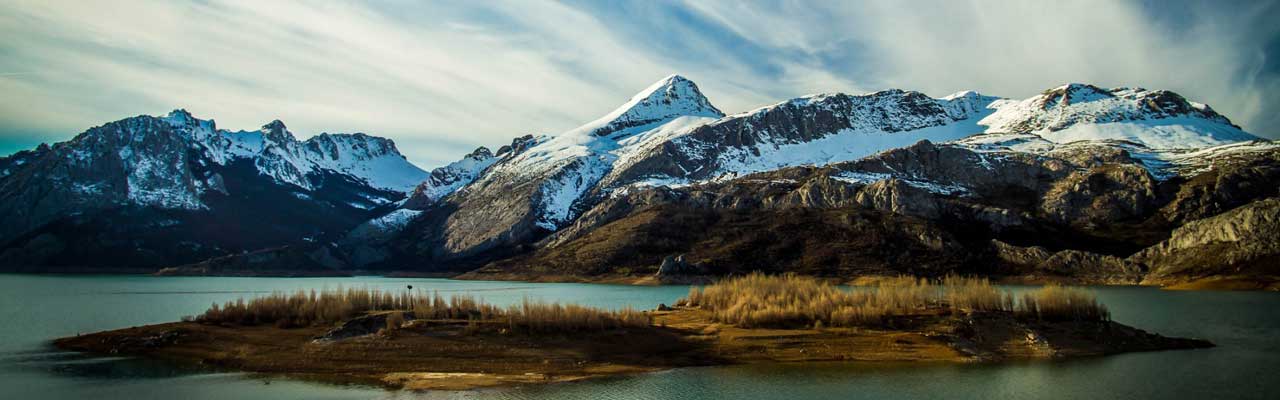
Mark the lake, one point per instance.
(35, 309)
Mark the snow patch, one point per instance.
(844, 145)
(1166, 133)
(867, 178)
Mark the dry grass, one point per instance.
(758, 300)
(334, 306)
(1054, 302)
(395, 320)
(967, 294)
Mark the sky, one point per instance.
(441, 78)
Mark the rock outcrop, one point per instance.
(675, 265)
(1244, 241)
(1101, 195)
(1036, 263)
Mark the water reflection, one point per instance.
(35, 309)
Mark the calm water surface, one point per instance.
(35, 309)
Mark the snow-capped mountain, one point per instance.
(1157, 119)
(569, 165)
(543, 180)
(184, 173)
(159, 159)
(670, 135)
(371, 160)
(158, 191)
(672, 97)
(1078, 185)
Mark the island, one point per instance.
(419, 340)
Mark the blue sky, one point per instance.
(441, 78)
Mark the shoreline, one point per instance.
(450, 355)
(1212, 283)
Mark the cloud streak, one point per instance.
(442, 78)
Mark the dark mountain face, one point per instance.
(145, 193)
(1089, 215)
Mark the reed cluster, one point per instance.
(1054, 302)
(327, 307)
(967, 294)
(759, 300)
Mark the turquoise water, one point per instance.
(35, 309)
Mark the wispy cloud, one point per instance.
(1211, 52)
(443, 77)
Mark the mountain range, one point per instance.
(1078, 183)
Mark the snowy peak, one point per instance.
(966, 104)
(671, 97)
(445, 180)
(275, 126)
(1153, 118)
(518, 145)
(276, 132)
(1072, 93)
(358, 146)
(180, 117)
(164, 161)
(374, 160)
(480, 153)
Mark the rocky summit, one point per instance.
(1077, 184)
